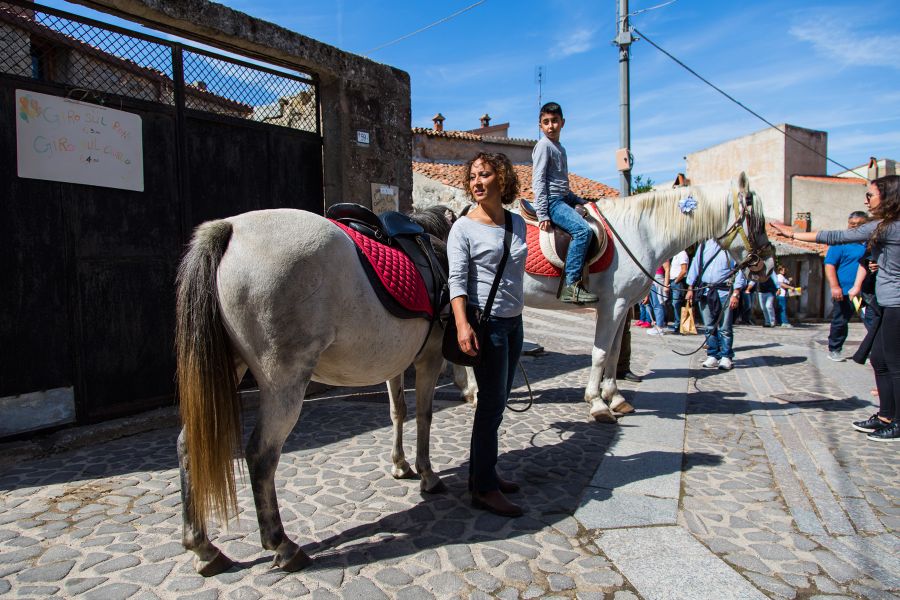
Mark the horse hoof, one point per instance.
(299, 561)
(219, 564)
(602, 414)
(623, 408)
(439, 488)
(406, 473)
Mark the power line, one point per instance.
(438, 22)
(749, 110)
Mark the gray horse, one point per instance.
(282, 293)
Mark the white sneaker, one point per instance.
(711, 362)
(835, 355)
(655, 331)
(725, 363)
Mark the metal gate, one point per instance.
(89, 300)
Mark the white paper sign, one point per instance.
(76, 142)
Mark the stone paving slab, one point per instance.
(667, 563)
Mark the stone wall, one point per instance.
(356, 94)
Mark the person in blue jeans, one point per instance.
(717, 299)
(841, 262)
(475, 249)
(678, 268)
(554, 203)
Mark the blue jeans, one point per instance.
(782, 310)
(563, 215)
(720, 344)
(646, 317)
(657, 306)
(767, 305)
(500, 350)
(677, 291)
(746, 308)
(841, 312)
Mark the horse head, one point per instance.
(745, 239)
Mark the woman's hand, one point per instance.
(466, 338)
(783, 230)
(689, 296)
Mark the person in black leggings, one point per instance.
(882, 236)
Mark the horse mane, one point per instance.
(667, 220)
(436, 220)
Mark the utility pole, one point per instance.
(623, 155)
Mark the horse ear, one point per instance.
(450, 217)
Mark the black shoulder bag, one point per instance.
(450, 344)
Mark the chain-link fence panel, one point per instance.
(59, 48)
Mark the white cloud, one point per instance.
(575, 42)
(839, 38)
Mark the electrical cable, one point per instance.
(749, 110)
(438, 22)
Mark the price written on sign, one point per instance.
(78, 142)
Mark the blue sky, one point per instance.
(828, 65)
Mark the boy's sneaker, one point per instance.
(575, 294)
(871, 424)
(725, 363)
(711, 362)
(786, 326)
(655, 331)
(888, 433)
(835, 355)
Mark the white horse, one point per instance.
(281, 293)
(654, 228)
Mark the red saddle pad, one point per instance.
(395, 271)
(537, 263)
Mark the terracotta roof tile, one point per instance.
(452, 175)
(468, 135)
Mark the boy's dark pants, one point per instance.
(500, 350)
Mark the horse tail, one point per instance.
(207, 385)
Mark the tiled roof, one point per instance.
(467, 135)
(819, 249)
(854, 180)
(458, 135)
(452, 175)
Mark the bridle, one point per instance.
(750, 226)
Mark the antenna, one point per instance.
(540, 78)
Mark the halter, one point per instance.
(746, 223)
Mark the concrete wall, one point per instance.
(430, 148)
(828, 202)
(356, 94)
(768, 157)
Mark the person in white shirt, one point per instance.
(678, 269)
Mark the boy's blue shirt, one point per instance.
(550, 174)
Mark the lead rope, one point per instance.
(530, 394)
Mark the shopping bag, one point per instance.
(687, 326)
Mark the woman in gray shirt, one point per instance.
(883, 238)
(474, 249)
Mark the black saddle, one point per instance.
(397, 230)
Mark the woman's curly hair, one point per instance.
(509, 181)
(889, 208)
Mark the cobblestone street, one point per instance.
(748, 483)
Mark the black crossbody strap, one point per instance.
(507, 242)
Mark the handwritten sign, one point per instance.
(77, 142)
